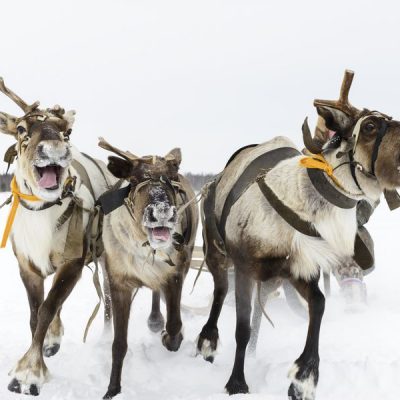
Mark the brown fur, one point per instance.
(124, 239)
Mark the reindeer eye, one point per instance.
(369, 127)
(67, 134)
(21, 130)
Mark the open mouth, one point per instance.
(160, 234)
(49, 176)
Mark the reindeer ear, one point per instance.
(174, 155)
(119, 167)
(8, 124)
(69, 116)
(336, 120)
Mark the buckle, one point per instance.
(69, 187)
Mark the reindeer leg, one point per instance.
(34, 288)
(121, 302)
(52, 341)
(172, 337)
(31, 372)
(305, 371)
(155, 322)
(243, 292)
(207, 341)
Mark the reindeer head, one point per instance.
(371, 138)
(42, 149)
(153, 197)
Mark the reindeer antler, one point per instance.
(314, 144)
(16, 99)
(342, 103)
(124, 154)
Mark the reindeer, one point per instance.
(54, 189)
(276, 223)
(148, 242)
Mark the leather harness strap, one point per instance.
(265, 161)
(392, 198)
(363, 246)
(113, 198)
(328, 191)
(237, 152)
(304, 227)
(378, 141)
(84, 176)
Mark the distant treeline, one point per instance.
(5, 180)
(197, 180)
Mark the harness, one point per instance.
(256, 171)
(117, 197)
(74, 205)
(391, 196)
(264, 161)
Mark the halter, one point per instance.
(379, 137)
(163, 181)
(355, 138)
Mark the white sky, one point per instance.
(208, 76)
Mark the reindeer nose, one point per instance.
(52, 149)
(160, 214)
(41, 152)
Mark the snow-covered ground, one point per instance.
(360, 353)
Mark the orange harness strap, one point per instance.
(318, 161)
(17, 195)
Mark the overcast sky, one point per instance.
(208, 76)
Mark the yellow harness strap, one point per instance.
(318, 161)
(17, 195)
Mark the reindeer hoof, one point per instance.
(235, 386)
(33, 390)
(112, 393)
(15, 386)
(304, 377)
(207, 343)
(50, 351)
(156, 322)
(294, 393)
(171, 343)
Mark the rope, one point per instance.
(260, 304)
(196, 199)
(203, 192)
(17, 196)
(91, 238)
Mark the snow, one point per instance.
(360, 352)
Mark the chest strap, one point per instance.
(329, 192)
(304, 227)
(265, 161)
(363, 245)
(84, 176)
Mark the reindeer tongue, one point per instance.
(331, 134)
(48, 177)
(161, 233)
